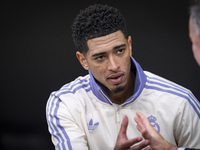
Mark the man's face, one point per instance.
(108, 58)
(195, 42)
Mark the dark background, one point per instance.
(37, 56)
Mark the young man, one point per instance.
(96, 111)
(143, 125)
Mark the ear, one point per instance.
(130, 44)
(82, 60)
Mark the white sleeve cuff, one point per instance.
(181, 148)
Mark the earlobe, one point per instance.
(82, 60)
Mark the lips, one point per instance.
(115, 78)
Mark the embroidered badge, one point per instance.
(92, 126)
(152, 120)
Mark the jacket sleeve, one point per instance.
(65, 132)
(182, 148)
(188, 123)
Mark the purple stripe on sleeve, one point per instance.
(61, 128)
(49, 110)
(178, 88)
(54, 128)
(175, 93)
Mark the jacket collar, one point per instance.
(140, 81)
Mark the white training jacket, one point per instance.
(81, 116)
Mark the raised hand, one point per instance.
(157, 142)
(124, 143)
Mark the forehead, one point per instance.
(106, 43)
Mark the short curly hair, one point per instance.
(96, 21)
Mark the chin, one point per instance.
(118, 89)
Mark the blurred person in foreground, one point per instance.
(157, 142)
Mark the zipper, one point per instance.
(117, 115)
(117, 109)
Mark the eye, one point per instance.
(120, 51)
(99, 57)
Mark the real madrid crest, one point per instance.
(152, 120)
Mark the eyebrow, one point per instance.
(97, 54)
(119, 46)
(102, 53)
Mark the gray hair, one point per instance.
(195, 15)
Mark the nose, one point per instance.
(113, 64)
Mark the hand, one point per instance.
(124, 143)
(157, 142)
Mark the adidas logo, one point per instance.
(92, 126)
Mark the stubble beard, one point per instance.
(118, 89)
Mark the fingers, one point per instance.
(122, 138)
(127, 144)
(142, 145)
(143, 124)
(139, 125)
(124, 125)
(130, 142)
(133, 141)
(147, 148)
(142, 118)
(124, 143)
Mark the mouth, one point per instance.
(115, 78)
